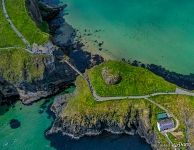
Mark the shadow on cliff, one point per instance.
(8, 95)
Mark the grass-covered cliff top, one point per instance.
(83, 110)
(19, 65)
(20, 17)
(135, 80)
(8, 38)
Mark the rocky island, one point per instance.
(135, 91)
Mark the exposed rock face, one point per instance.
(60, 102)
(109, 77)
(34, 10)
(56, 75)
(47, 48)
(134, 121)
(7, 92)
(48, 12)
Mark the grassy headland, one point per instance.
(135, 80)
(83, 110)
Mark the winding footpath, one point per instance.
(25, 41)
(98, 98)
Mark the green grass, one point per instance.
(179, 106)
(135, 80)
(14, 62)
(44, 27)
(82, 105)
(20, 17)
(8, 38)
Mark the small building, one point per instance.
(162, 116)
(165, 124)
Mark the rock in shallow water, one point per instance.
(14, 123)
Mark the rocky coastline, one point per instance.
(135, 122)
(57, 75)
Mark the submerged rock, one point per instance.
(14, 123)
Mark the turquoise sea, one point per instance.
(151, 31)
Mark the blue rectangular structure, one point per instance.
(161, 116)
(165, 124)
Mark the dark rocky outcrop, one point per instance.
(56, 77)
(184, 81)
(34, 11)
(109, 77)
(135, 121)
(8, 92)
(14, 123)
(49, 12)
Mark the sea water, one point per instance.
(151, 31)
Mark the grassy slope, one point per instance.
(8, 38)
(13, 62)
(83, 104)
(180, 106)
(135, 81)
(23, 22)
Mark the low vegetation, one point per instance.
(19, 65)
(82, 104)
(21, 19)
(182, 107)
(135, 80)
(8, 38)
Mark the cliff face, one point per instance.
(7, 92)
(79, 114)
(34, 10)
(76, 125)
(32, 77)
